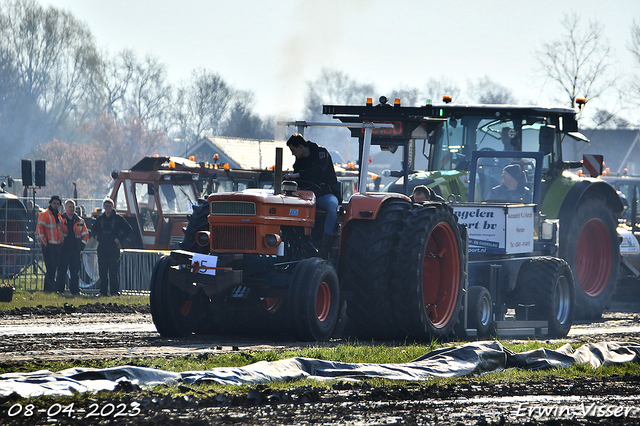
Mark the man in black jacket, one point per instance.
(109, 229)
(314, 166)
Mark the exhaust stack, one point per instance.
(277, 177)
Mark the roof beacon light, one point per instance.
(447, 99)
(192, 158)
(369, 101)
(226, 166)
(396, 102)
(581, 102)
(172, 164)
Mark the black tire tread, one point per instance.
(535, 283)
(366, 269)
(408, 307)
(588, 307)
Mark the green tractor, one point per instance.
(587, 209)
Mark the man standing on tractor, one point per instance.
(313, 169)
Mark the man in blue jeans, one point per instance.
(313, 168)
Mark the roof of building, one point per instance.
(256, 154)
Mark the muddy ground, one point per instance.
(118, 332)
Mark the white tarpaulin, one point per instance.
(470, 359)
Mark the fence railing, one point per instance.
(24, 268)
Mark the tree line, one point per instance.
(88, 112)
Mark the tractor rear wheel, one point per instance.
(547, 283)
(429, 273)
(589, 244)
(479, 312)
(314, 300)
(366, 270)
(176, 313)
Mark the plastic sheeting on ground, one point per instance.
(470, 359)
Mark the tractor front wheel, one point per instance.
(547, 284)
(314, 300)
(176, 313)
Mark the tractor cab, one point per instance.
(155, 196)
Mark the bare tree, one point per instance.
(407, 96)
(634, 48)
(113, 82)
(51, 58)
(487, 91)
(242, 122)
(579, 61)
(436, 88)
(149, 96)
(53, 53)
(334, 87)
(201, 106)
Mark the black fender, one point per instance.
(588, 188)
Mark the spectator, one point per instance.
(74, 242)
(50, 235)
(110, 229)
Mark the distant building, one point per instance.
(255, 154)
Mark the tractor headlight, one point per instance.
(272, 240)
(203, 238)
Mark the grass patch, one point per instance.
(23, 299)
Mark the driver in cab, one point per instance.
(512, 189)
(313, 169)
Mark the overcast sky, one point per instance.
(273, 48)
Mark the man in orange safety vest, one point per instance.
(50, 235)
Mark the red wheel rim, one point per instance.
(323, 301)
(593, 257)
(441, 275)
(185, 308)
(271, 304)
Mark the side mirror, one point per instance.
(546, 138)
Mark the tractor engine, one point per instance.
(256, 221)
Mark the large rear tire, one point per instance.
(590, 245)
(314, 301)
(429, 273)
(547, 283)
(366, 270)
(175, 312)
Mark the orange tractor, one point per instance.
(250, 262)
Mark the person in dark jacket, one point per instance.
(76, 237)
(109, 230)
(512, 189)
(422, 193)
(313, 169)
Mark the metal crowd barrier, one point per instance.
(136, 267)
(24, 268)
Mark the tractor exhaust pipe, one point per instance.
(277, 177)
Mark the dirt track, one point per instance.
(33, 336)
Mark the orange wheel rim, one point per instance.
(323, 301)
(441, 275)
